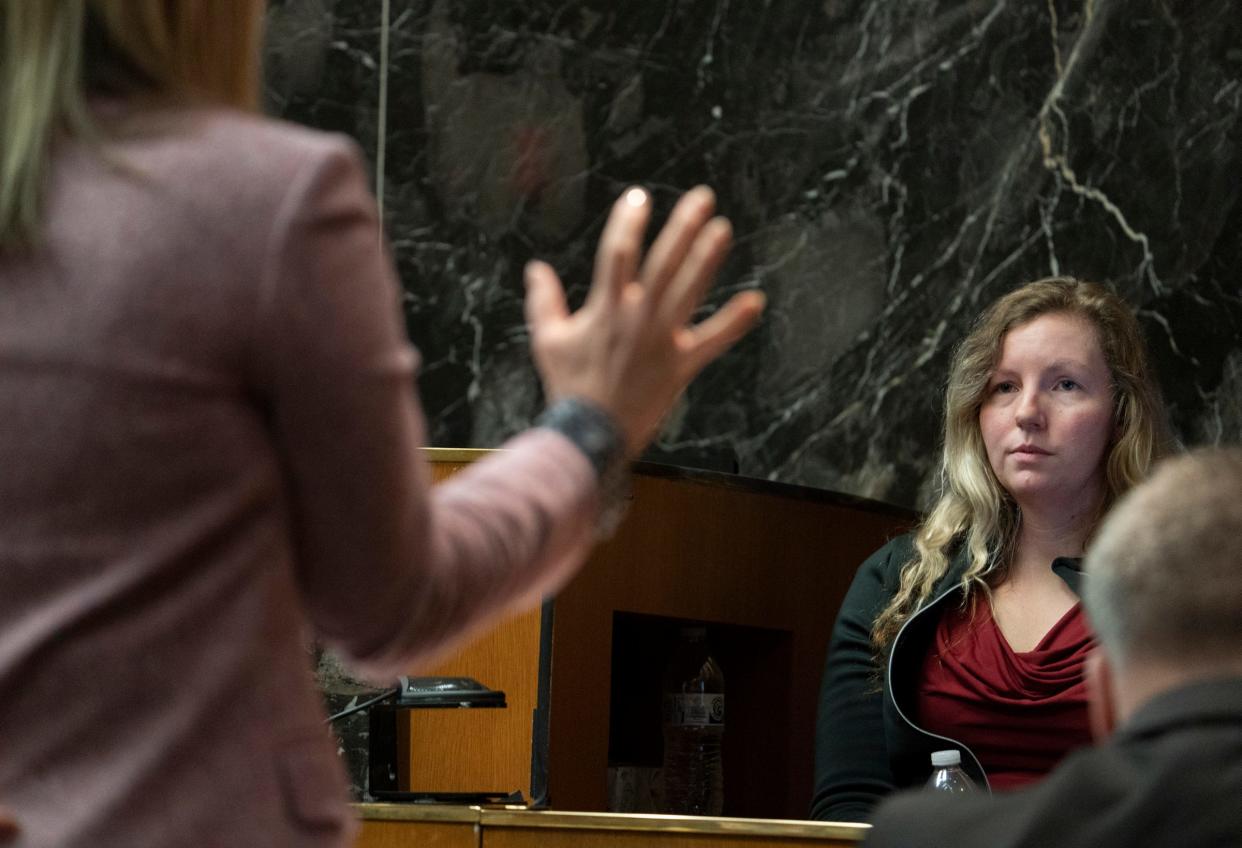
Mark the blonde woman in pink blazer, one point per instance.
(208, 433)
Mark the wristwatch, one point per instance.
(595, 433)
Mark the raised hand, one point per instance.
(631, 348)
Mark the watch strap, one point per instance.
(594, 432)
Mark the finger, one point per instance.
(713, 336)
(616, 260)
(697, 272)
(545, 297)
(675, 239)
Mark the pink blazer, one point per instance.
(207, 450)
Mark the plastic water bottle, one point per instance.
(693, 728)
(947, 774)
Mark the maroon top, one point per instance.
(1020, 713)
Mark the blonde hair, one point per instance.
(55, 53)
(973, 509)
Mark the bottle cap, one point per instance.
(941, 759)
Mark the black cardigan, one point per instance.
(866, 744)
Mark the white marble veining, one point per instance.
(889, 168)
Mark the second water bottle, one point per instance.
(693, 728)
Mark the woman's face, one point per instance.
(1047, 414)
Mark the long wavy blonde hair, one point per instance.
(54, 54)
(973, 509)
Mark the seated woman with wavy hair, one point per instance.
(968, 633)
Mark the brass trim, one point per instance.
(418, 812)
(784, 828)
(514, 817)
(455, 454)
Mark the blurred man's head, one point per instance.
(1164, 583)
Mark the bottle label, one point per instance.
(697, 710)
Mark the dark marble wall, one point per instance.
(890, 168)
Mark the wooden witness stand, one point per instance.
(764, 566)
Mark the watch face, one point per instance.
(597, 439)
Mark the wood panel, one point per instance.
(403, 834)
(714, 553)
(479, 750)
(702, 547)
(476, 750)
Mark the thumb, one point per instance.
(545, 298)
